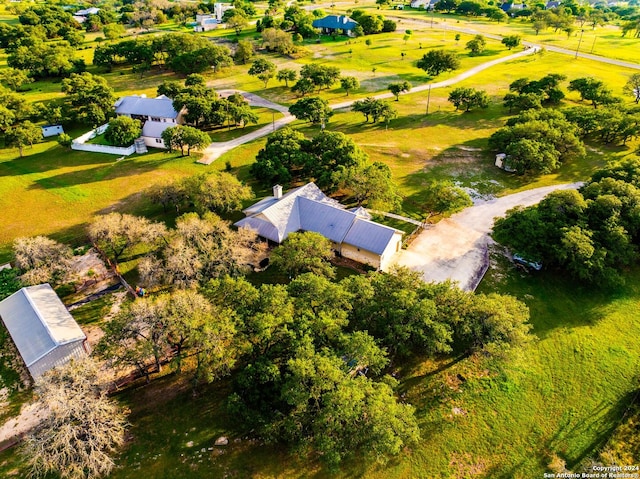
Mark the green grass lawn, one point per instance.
(60, 191)
(265, 117)
(604, 40)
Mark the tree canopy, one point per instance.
(591, 233)
(304, 252)
(538, 141)
(288, 155)
(89, 99)
(83, 427)
(439, 61)
(122, 131)
(468, 98)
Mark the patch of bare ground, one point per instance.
(465, 465)
(89, 275)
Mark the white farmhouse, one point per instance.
(352, 233)
(156, 114)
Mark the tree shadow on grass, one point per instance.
(106, 171)
(603, 420)
(52, 159)
(556, 300)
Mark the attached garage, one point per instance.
(42, 329)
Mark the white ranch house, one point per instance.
(156, 114)
(352, 233)
(42, 329)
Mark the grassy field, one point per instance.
(562, 396)
(61, 190)
(604, 40)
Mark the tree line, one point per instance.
(540, 138)
(179, 52)
(592, 233)
(309, 360)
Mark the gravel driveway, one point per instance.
(456, 247)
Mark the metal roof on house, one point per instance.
(336, 22)
(154, 129)
(331, 222)
(307, 208)
(365, 234)
(138, 105)
(361, 212)
(38, 322)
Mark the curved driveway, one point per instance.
(456, 248)
(217, 149)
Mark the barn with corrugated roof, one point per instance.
(44, 332)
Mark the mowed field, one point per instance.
(55, 191)
(605, 40)
(562, 396)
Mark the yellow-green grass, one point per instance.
(453, 145)
(61, 190)
(54, 191)
(605, 41)
(265, 117)
(354, 58)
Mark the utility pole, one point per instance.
(428, 98)
(579, 42)
(595, 37)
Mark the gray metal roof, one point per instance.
(308, 208)
(154, 129)
(137, 105)
(361, 211)
(331, 222)
(38, 322)
(365, 234)
(261, 227)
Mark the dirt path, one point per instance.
(12, 430)
(455, 248)
(216, 150)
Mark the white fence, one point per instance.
(81, 145)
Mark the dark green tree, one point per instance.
(438, 61)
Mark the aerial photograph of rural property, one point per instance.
(311, 239)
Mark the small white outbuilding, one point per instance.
(42, 329)
(52, 130)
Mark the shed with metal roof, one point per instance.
(42, 329)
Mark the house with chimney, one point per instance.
(336, 24)
(352, 233)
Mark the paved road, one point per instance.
(455, 248)
(416, 21)
(217, 149)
